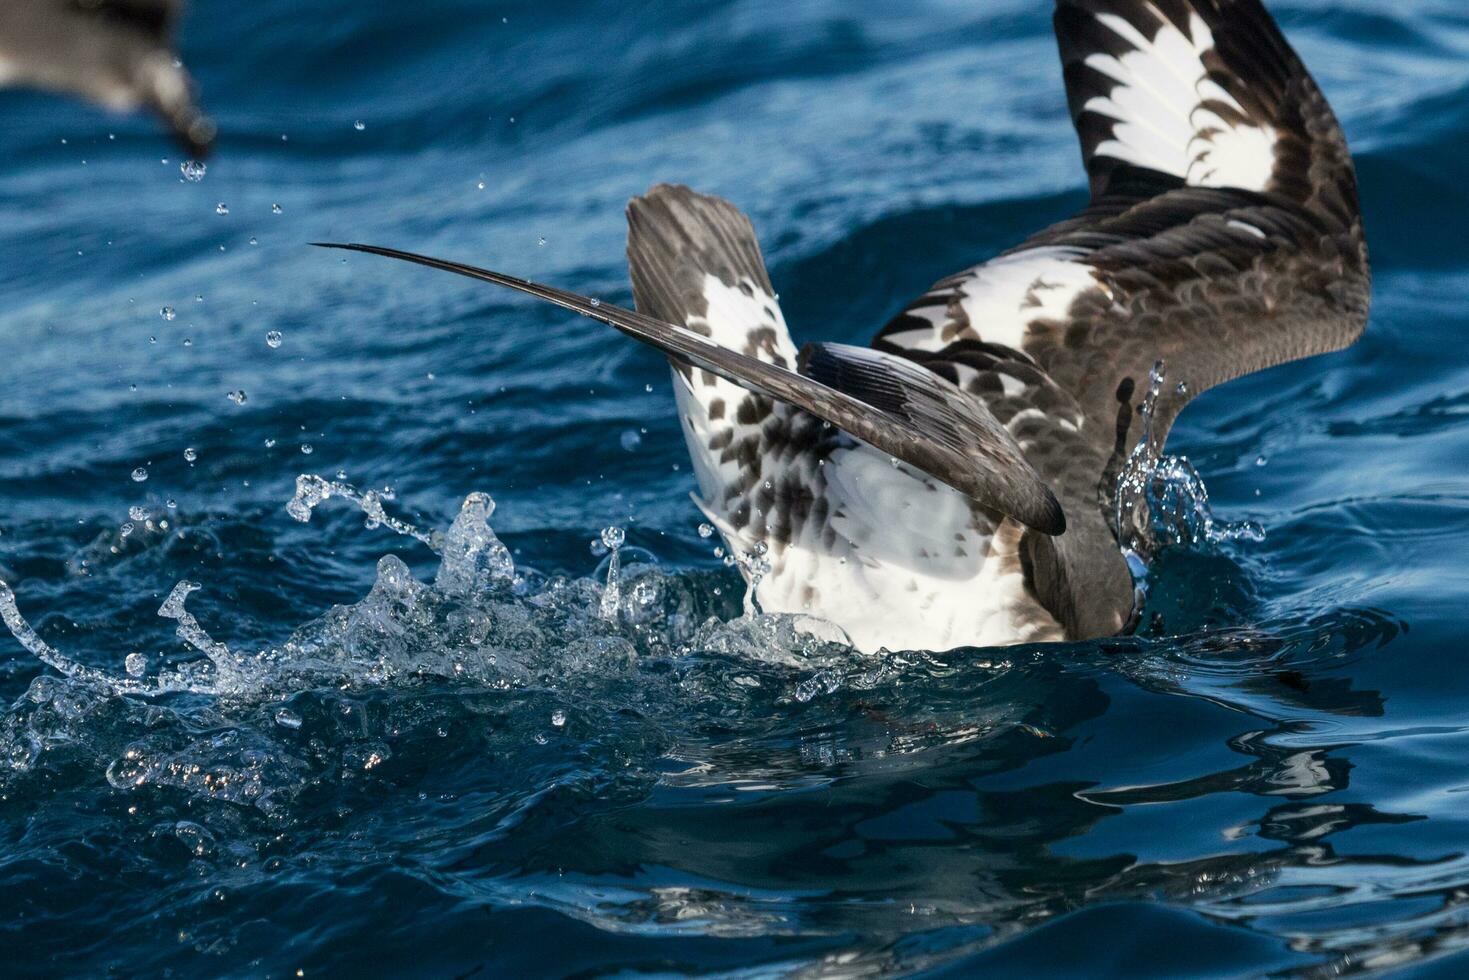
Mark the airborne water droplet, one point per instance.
(135, 664)
(275, 209)
(273, 338)
(558, 718)
(306, 449)
(138, 512)
(167, 313)
(631, 440)
(191, 454)
(221, 208)
(239, 397)
(193, 170)
(613, 537)
(139, 475)
(359, 125)
(706, 530)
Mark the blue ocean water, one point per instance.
(365, 771)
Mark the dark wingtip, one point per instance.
(1049, 519)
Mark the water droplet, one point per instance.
(221, 208)
(647, 388)
(1182, 388)
(596, 302)
(139, 475)
(152, 340)
(631, 440)
(171, 504)
(359, 125)
(480, 185)
(167, 313)
(1261, 460)
(558, 718)
(306, 449)
(270, 444)
(138, 512)
(135, 664)
(188, 341)
(276, 209)
(706, 530)
(286, 718)
(191, 454)
(193, 170)
(254, 240)
(273, 338)
(126, 529)
(613, 537)
(541, 241)
(238, 396)
(761, 548)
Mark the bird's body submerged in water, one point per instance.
(955, 483)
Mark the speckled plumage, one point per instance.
(955, 484)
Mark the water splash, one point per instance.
(613, 539)
(1161, 501)
(473, 557)
(312, 491)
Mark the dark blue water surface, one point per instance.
(383, 775)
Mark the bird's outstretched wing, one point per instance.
(117, 53)
(883, 400)
(1223, 235)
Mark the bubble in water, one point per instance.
(238, 396)
(558, 718)
(221, 208)
(135, 664)
(193, 170)
(631, 440)
(191, 454)
(167, 313)
(138, 512)
(273, 338)
(613, 537)
(286, 718)
(139, 475)
(306, 449)
(359, 125)
(276, 209)
(706, 530)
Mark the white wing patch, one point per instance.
(1167, 110)
(996, 302)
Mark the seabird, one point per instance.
(955, 483)
(117, 53)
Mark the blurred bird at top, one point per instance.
(117, 53)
